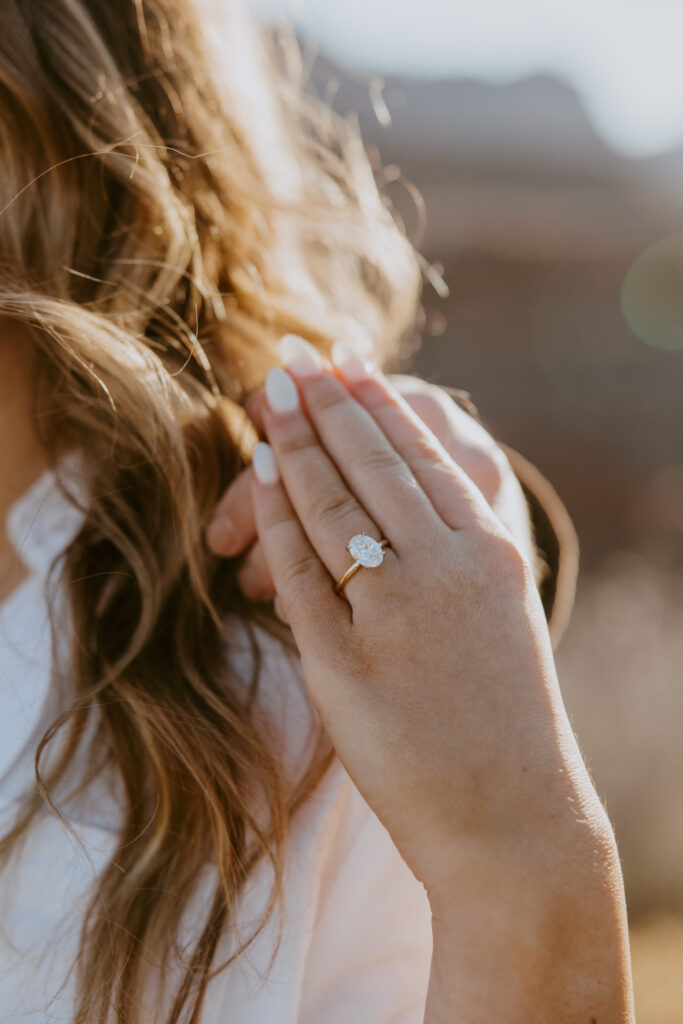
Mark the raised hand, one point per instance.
(433, 672)
(434, 677)
(232, 529)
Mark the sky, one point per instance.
(624, 57)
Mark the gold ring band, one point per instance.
(368, 554)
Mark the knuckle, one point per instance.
(299, 574)
(511, 557)
(505, 562)
(376, 460)
(421, 450)
(433, 399)
(296, 440)
(324, 393)
(433, 407)
(486, 469)
(278, 523)
(409, 385)
(336, 506)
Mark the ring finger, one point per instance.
(329, 512)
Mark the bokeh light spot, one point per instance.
(652, 294)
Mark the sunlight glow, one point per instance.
(622, 56)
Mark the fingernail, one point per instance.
(264, 464)
(299, 356)
(220, 533)
(353, 365)
(281, 391)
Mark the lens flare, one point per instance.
(652, 294)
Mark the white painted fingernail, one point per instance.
(299, 356)
(352, 363)
(281, 391)
(264, 464)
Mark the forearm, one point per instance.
(534, 939)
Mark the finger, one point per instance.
(301, 357)
(232, 528)
(372, 469)
(254, 406)
(254, 575)
(305, 591)
(453, 495)
(329, 512)
(279, 611)
(467, 442)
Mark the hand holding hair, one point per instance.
(434, 676)
(232, 530)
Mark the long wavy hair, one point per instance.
(169, 206)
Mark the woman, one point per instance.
(180, 842)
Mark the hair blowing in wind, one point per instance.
(161, 225)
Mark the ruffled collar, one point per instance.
(42, 521)
(39, 525)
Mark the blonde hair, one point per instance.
(162, 223)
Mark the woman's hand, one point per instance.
(434, 673)
(475, 451)
(232, 530)
(434, 677)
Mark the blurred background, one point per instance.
(547, 148)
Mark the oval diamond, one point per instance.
(366, 550)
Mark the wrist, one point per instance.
(541, 854)
(533, 936)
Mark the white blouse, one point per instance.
(356, 944)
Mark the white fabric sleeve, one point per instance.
(370, 951)
(358, 941)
